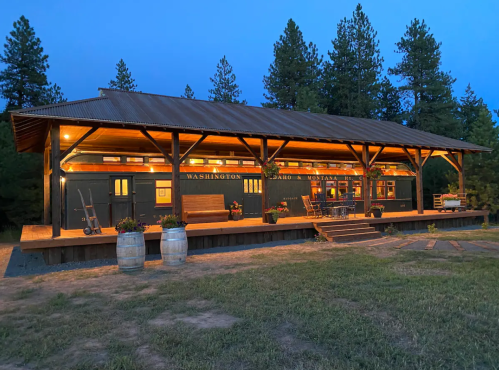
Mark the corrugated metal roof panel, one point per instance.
(172, 112)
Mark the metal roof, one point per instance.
(135, 108)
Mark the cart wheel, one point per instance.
(439, 211)
(453, 210)
(87, 230)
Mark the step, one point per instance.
(339, 222)
(362, 230)
(356, 237)
(342, 227)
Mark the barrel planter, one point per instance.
(131, 251)
(174, 246)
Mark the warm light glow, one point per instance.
(63, 180)
(215, 170)
(220, 162)
(259, 191)
(151, 170)
(192, 161)
(66, 137)
(70, 169)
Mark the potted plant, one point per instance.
(270, 169)
(272, 215)
(236, 211)
(173, 240)
(373, 172)
(130, 245)
(451, 200)
(283, 208)
(377, 209)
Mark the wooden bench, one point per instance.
(198, 209)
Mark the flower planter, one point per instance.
(452, 203)
(130, 251)
(283, 215)
(376, 213)
(236, 216)
(174, 246)
(270, 218)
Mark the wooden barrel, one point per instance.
(174, 246)
(131, 251)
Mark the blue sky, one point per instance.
(167, 44)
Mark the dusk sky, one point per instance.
(167, 44)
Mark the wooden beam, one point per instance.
(193, 147)
(426, 158)
(157, 146)
(248, 148)
(357, 157)
(375, 156)
(365, 181)
(450, 158)
(460, 161)
(419, 182)
(46, 186)
(77, 142)
(55, 136)
(264, 152)
(279, 150)
(413, 162)
(176, 193)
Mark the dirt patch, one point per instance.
(90, 351)
(285, 335)
(199, 303)
(150, 359)
(204, 320)
(437, 259)
(346, 303)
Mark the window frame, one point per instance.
(156, 187)
(361, 195)
(334, 187)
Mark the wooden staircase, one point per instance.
(345, 231)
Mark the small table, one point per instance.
(339, 212)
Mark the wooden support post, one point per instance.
(460, 161)
(55, 136)
(264, 155)
(77, 142)
(366, 183)
(176, 197)
(419, 181)
(46, 186)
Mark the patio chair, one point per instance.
(348, 200)
(320, 199)
(312, 209)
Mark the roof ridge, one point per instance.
(74, 102)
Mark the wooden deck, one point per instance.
(39, 237)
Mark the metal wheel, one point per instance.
(440, 210)
(453, 210)
(87, 230)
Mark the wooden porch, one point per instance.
(73, 245)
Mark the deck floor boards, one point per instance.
(40, 236)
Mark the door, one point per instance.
(121, 198)
(252, 196)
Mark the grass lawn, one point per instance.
(479, 234)
(328, 308)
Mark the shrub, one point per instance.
(432, 229)
(171, 222)
(129, 225)
(320, 238)
(391, 230)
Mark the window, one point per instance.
(121, 187)
(357, 189)
(342, 187)
(321, 165)
(390, 185)
(252, 186)
(331, 190)
(307, 165)
(334, 165)
(380, 190)
(156, 160)
(217, 162)
(316, 188)
(135, 160)
(391, 167)
(196, 161)
(347, 165)
(111, 159)
(280, 164)
(249, 163)
(232, 162)
(163, 193)
(293, 164)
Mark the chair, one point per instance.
(312, 209)
(320, 199)
(348, 200)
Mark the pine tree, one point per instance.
(308, 101)
(390, 103)
(188, 93)
(429, 90)
(352, 75)
(469, 110)
(53, 95)
(225, 88)
(482, 177)
(23, 81)
(295, 66)
(124, 80)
